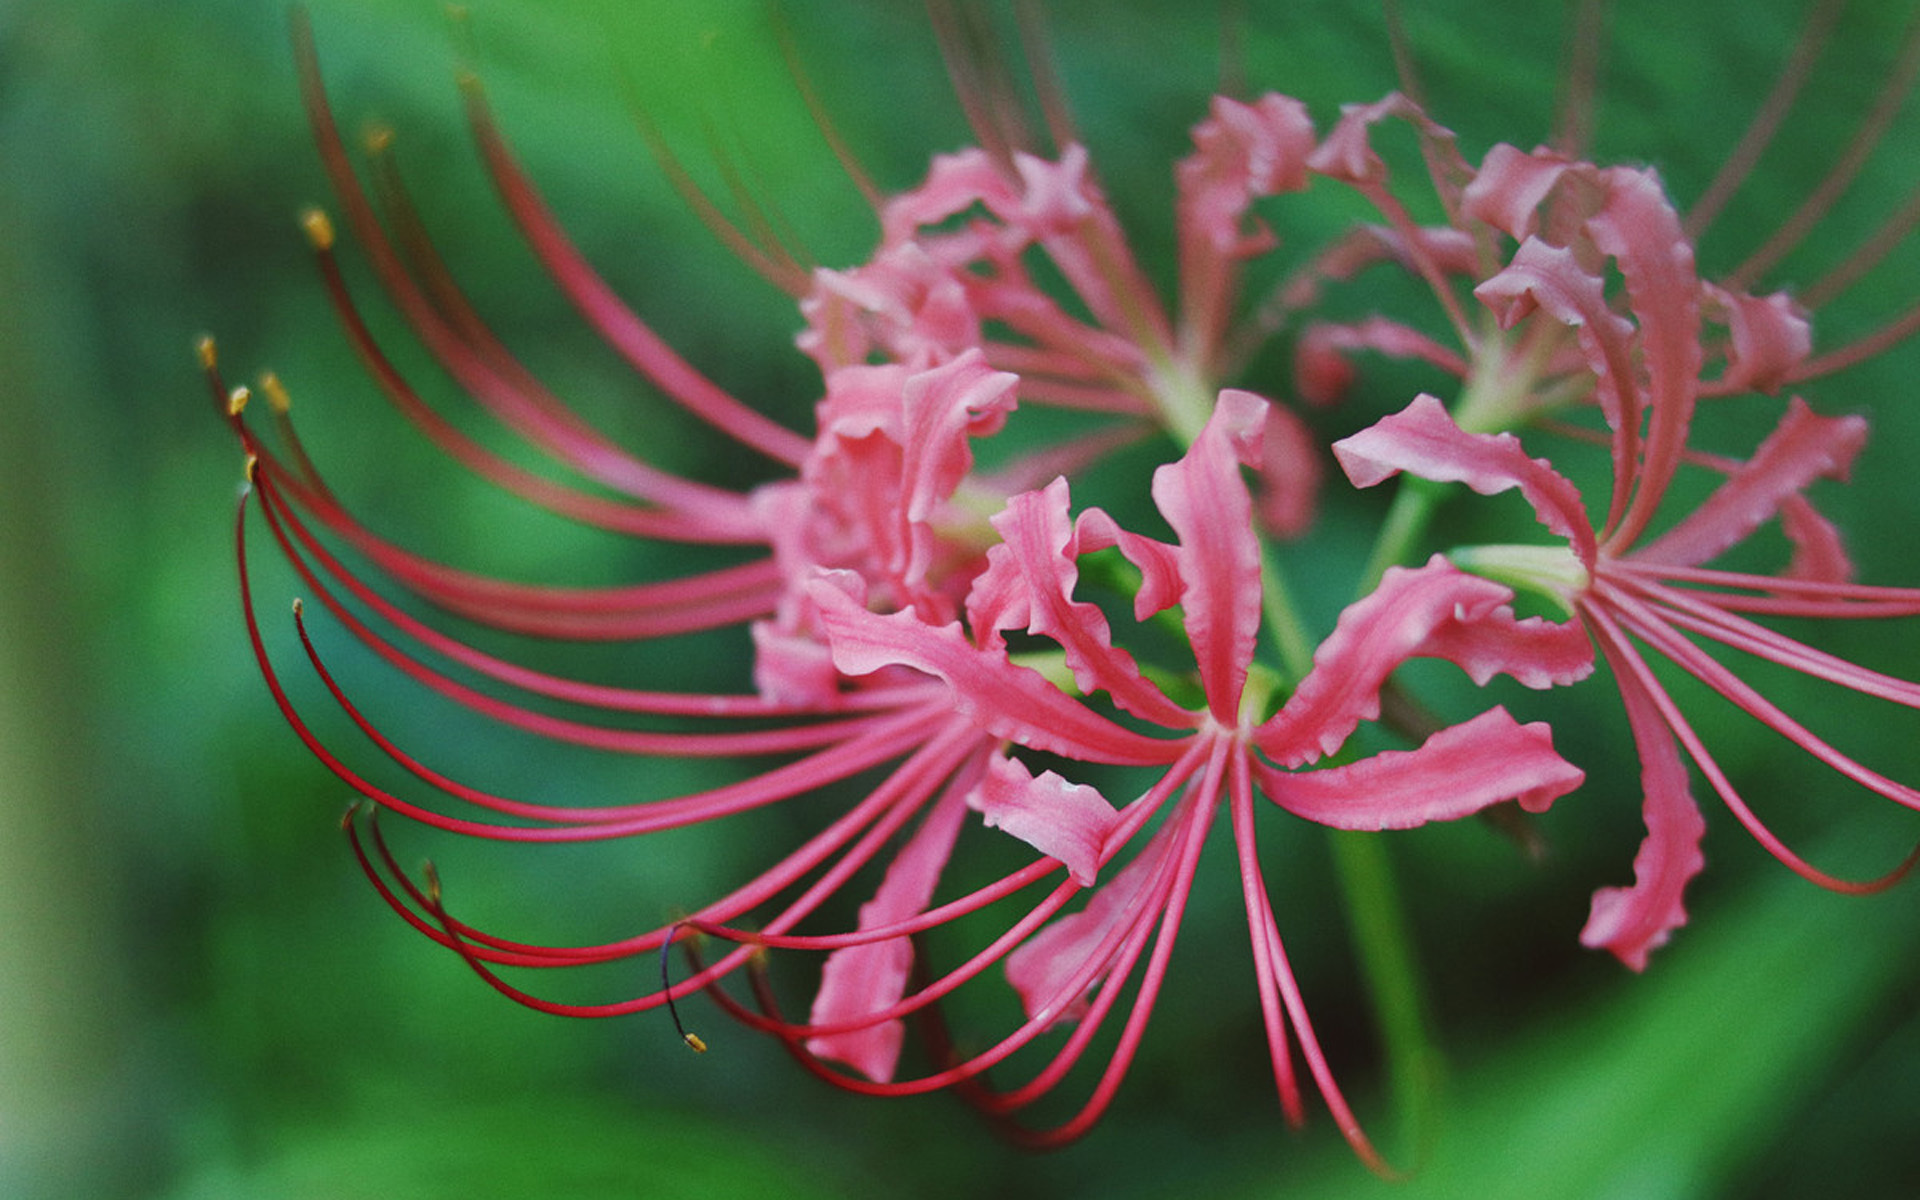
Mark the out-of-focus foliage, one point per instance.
(200, 997)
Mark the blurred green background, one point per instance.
(199, 995)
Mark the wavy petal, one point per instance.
(1456, 772)
(1046, 965)
(1239, 152)
(1004, 698)
(1507, 190)
(866, 978)
(1423, 440)
(1062, 820)
(1536, 652)
(1207, 503)
(1802, 448)
(1771, 339)
(1029, 582)
(1632, 922)
(1374, 635)
(1638, 227)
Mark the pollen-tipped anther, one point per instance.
(237, 400)
(319, 228)
(275, 392)
(378, 139)
(693, 1040)
(206, 352)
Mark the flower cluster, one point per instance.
(928, 642)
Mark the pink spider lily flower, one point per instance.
(885, 491)
(1630, 587)
(1220, 755)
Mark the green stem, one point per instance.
(1407, 519)
(1378, 924)
(1283, 617)
(1377, 920)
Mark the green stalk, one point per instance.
(1283, 617)
(1407, 519)
(1377, 923)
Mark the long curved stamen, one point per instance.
(1766, 120)
(1651, 628)
(598, 511)
(636, 612)
(878, 815)
(1573, 132)
(1891, 233)
(694, 1041)
(1840, 176)
(1716, 778)
(486, 372)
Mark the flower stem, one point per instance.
(1282, 617)
(1378, 925)
(1377, 921)
(1406, 523)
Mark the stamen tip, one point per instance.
(378, 139)
(237, 401)
(694, 1040)
(206, 352)
(276, 392)
(433, 882)
(299, 608)
(319, 228)
(252, 467)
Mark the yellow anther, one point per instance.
(276, 392)
(208, 354)
(319, 228)
(378, 139)
(237, 401)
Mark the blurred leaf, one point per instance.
(532, 1145)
